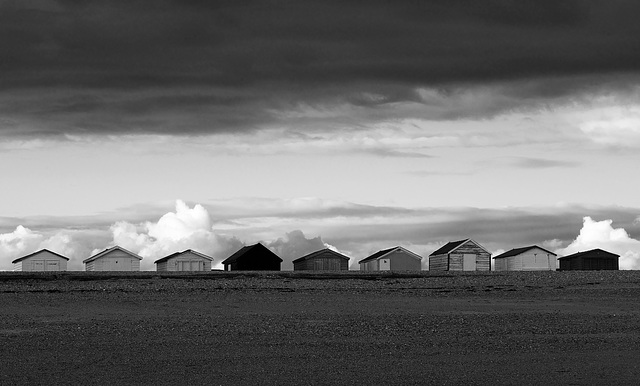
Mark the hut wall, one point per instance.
(537, 260)
(402, 261)
(322, 263)
(483, 258)
(371, 265)
(188, 262)
(438, 263)
(115, 261)
(501, 264)
(162, 266)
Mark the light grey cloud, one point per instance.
(534, 163)
(294, 245)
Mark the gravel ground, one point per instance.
(578, 328)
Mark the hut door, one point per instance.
(38, 265)
(469, 262)
(385, 264)
(51, 266)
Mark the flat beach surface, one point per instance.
(291, 328)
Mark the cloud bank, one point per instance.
(190, 67)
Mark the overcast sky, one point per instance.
(358, 125)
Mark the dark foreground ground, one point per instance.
(571, 328)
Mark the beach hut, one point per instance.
(462, 255)
(113, 259)
(392, 259)
(188, 260)
(322, 260)
(43, 260)
(592, 260)
(254, 257)
(531, 258)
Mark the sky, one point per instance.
(166, 125)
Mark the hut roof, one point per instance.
(249, 248)
(590, 253)
(180, 253)
(453, 245)
(109, 250)
(317, 253)
(517, 251)
(19, 259)
(383, 252)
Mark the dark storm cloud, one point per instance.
(198, 66)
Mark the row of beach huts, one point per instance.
(462, 255)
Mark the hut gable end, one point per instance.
(322, 260)
(43, 260)
(113, 259)
(255, 257)
(188, 260)
(392, 259)
(461, 255)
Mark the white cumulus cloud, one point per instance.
(186, 228)
(23, 241)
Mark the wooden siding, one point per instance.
(514, 263)
(371, 265)
(500, 265)
(322, 262)
(589, 264)
(162, 266)
(438, 263)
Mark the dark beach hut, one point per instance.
(593, 260)
(255, 257)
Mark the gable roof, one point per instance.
(19, 259)
(448, 247)
(258, 247)
(176, 254)
(517, 251)
(593, 252)
(109, 250)
(384, 252)
(453, 245)
(316, 253)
